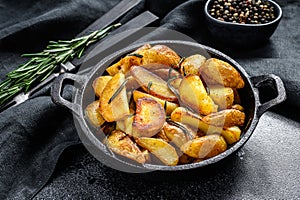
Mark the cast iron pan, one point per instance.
(92, 139)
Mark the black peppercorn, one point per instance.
(243, 11)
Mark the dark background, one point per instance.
(41, 155)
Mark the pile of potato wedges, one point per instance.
(157, 107)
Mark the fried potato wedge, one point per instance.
(191, 65)
(93, 115)
(176, 83)
(152, 83)
(168, 106)
(204, 147)
(192, 92)
(231, 134)
(165, 74)
(225, 118)
(238, 107)
(184, 116)
(131, 84)
(148, 55)
(161, 149)
(118, 108)
(149, 118)
(222, 96)
(99, 84)
(175, 134)
(125, 125)
(121, 144)
(216, 71)
(162, 135)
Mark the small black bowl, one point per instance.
(242, 35)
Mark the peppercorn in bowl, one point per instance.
(242, 23)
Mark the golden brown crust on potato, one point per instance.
(152, 83)
(169, 106)
(192, 92)
(149, 118)
(118, 108)
(99, 84)
(204, 147)
(222, 96)
(216, 71)
(161, 149)
(192, 64)
(158, 54)
(225, 118)
(121, 144)
(93, 115)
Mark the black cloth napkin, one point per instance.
(35, 133)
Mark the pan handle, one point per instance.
(258, 81)
(58, 86)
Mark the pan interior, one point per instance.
(183, 49)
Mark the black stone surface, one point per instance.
(267, 167)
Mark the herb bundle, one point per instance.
(42, 65)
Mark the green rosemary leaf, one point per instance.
(41, 65)
(165, 105)
(149, 86)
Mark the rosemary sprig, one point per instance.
(42, 65)
(118, 91)
(136, 55)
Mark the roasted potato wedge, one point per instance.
(126, 125)
(162, 135)
(161, 149)
(121, 144)
(192, 92)
(216, 71)
(152, 83)
(222, 96)
(225, 118)
(149, 118)
(175, 134)
(168, 106)
(176, 83)
(118, 108)
(231, 134)
(93, 115)
(157, 54)
(131, 84)
(238, 107)
(99, 84)
(191, 65)
(165, 74)
(204, 147)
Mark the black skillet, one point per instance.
(92, 139)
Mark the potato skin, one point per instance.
(161, 149)
(205, 147)
(222, 96)
(170, 106)
(159, 87)
(192, 92)
(225, 118)
(192, 64)
(149, 119)
(93, 115)
(216, 71)
(99, 84)
(157, 54)
(121, 144)
(118, 108)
